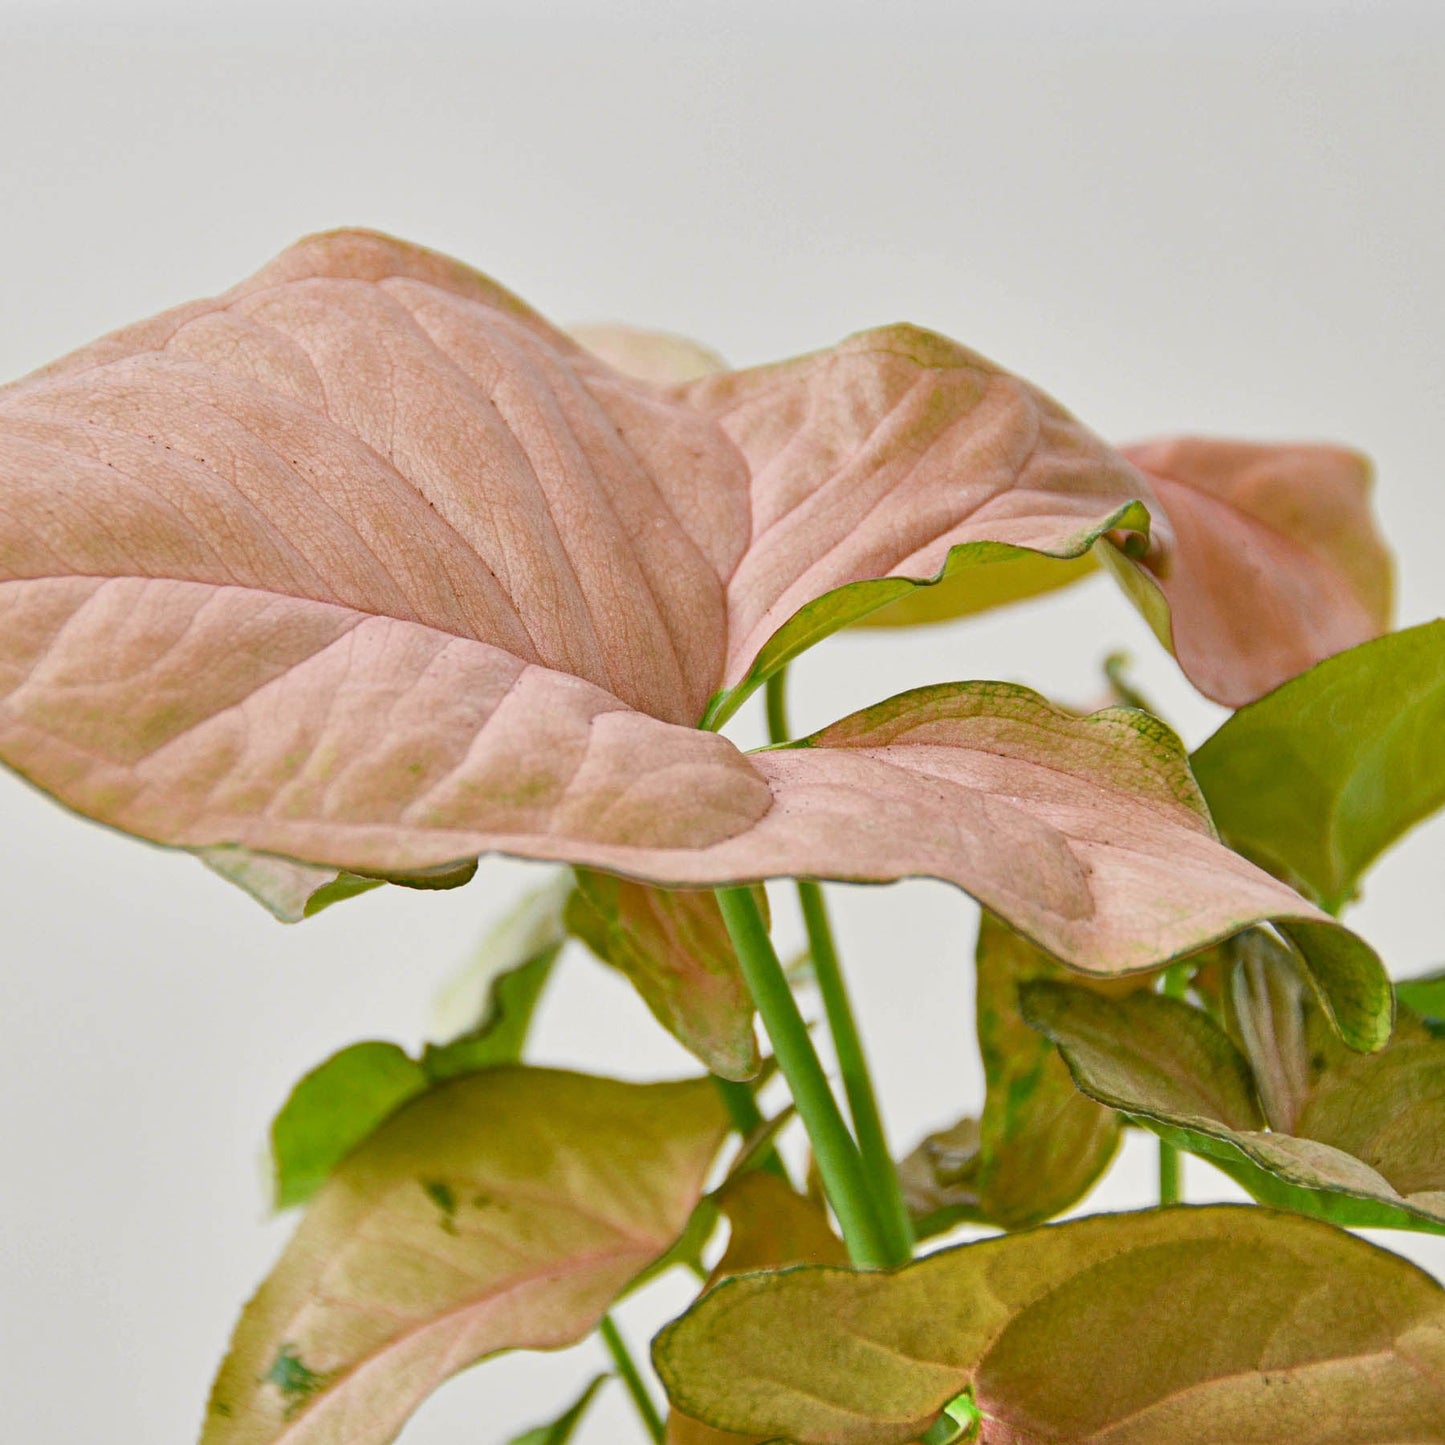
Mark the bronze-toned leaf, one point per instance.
(1367, 1141)
(1191, 1326)
(773, 1226)
(1040, 1144)
(1147, 1046)
(504, 1210)
(674, 947)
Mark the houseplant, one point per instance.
(364, 570)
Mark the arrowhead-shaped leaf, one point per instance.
(675, 948)
(1040, 1144)
(504, 1210)
(1367, 1142)
(391, 574)
(1191, 1326)
(1316, 780)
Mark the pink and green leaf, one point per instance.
(504, 1210)
(1187, 1325)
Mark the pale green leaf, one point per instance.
(342, 1100)
(974, 576)
(561, 1430)
(332, 1109)
(1186, 1326)
(291, 891)
(506, 1209)
(1317, 779)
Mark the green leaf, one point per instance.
(675, 949)
(506, 1209)
(561, 1430)
(1369, 1145)
(1424, 996)
(1191, 1326)
(502, 1033)
(344, 1099)
(530, 930)
(333, 1109)
(1317, 779)
(1040, 1144)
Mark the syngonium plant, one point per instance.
(363, 570)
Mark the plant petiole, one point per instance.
(833, 1146)
(632, 1378)
(842, 1024)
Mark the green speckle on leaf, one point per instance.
(444, 1197)
(296, 1381)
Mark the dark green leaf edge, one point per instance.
(844, 605)
(1344, 1207)
(1232, 1153)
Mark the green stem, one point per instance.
(627, 1369)
(833, 1146)
(1173, 984)
(842, 1023)
(857, 1080)
(776, 697)
(958, 1422)
(747, 1119)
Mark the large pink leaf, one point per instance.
(1276, 563)
(365, 565)
(900, 455)
(369, 428)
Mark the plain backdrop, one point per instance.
(1220, 217)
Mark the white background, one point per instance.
(1211, 217)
